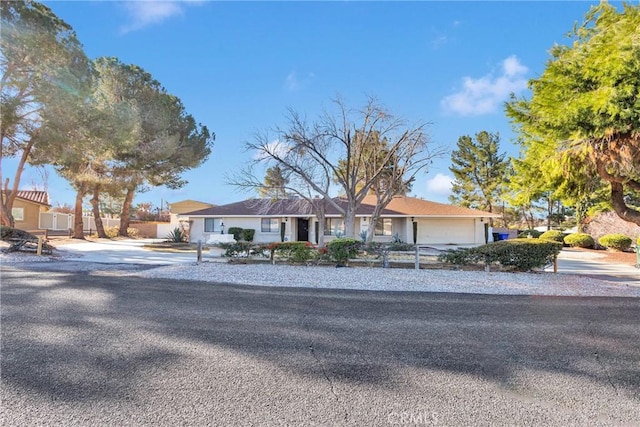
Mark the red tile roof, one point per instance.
(40, 197)
(399, 206)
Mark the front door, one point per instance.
(303, 230)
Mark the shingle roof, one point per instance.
(411, 206)
(40, 197)
(399, 206)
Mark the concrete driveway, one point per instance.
(593, 265)
(123, 252)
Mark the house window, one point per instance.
(18, 214)
(212, 225)
(269, 225)
(333, 227)
(383, 227)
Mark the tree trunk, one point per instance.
(5, 215)
(7, 202)
(78, 227)
(619, 205)
(95, 205)
(124, 215)
(350, 219)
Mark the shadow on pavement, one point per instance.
(78, 337)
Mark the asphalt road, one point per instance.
(82, 349)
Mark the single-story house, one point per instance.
(27, 207)
(294, 219)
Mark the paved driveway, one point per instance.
(123, 252)
(87, 349)
(593, 265)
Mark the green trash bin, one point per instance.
(637, 256)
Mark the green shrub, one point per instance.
(248, 234)
(461, 256)
(618, 242)
(177, 235)
(343, 249)
(638, 242)
(555, 235)
(524, 234)
(236, 231)
(293, 251)
(519, 254)
(579, 240)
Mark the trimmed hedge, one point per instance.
(236, 231)
(618, 242)
(579, 240)
(247, 234)
(555, 235)
(343, 249)
(520, 254)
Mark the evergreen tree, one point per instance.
(479, 170)
(584, 112)
(274, 184)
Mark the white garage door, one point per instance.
(445, 231)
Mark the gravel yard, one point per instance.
(395, 279)
(356, 278)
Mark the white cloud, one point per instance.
(440, 185)
(293, 83)
(275, 147)
(149, 12)
(483, 95)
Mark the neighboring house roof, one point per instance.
(402, 206)
(35, 196)
(188, 206)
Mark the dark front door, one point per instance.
(303, 230)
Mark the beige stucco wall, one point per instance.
(197, 229)
(31, 214)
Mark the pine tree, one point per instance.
(479, 171)
(274, 184)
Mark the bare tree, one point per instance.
(343, 146)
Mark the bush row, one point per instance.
(519, 254)
(338, 250)
(614, 241)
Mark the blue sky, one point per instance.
(238, 66)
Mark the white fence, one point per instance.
(89, 223)
(61, 221)
(55, 221)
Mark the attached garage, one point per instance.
(442, 231)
